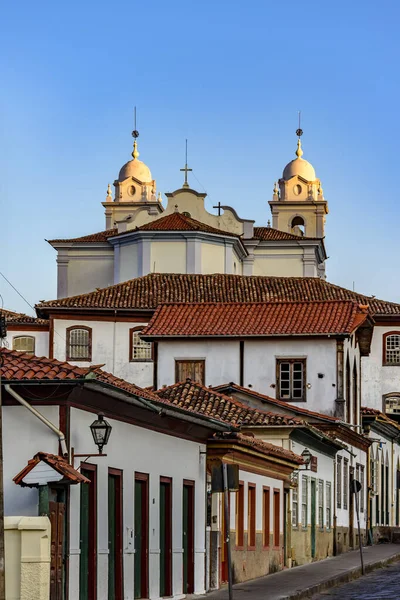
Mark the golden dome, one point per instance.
(299, 166)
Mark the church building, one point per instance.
(142, 236)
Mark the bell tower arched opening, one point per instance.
(298, 226)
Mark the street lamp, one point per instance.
(306, 456)
(101, 431)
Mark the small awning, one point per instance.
(46, 468)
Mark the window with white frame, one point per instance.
(328, 504)
(24, 343)
(392, 404)
(79, 343)
(391, 348)
(304, 500)
(295, 501)
(345, 483)
(291, 376)
(140, 350)
(321, 503)
(339, 481)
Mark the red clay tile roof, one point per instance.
(228, 388)
(158, 288)
(206, 401)
(254, 319)
(380, 416)
(18, 366)
(255, 444)
(100, 236)
(172, 222)
(179, 222)
(271, 234)
(58, 463)
(14, 318)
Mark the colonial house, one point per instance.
(129, 520)
(25, 333)
(140, 521)
(350, 462)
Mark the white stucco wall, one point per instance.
(222, 360)
(23, 436)
(378, 380)
(110, 346)
(158, 455)
(128, 262)
(342, 513)
(289, 264)
(41, 340)
(212, 258)
(222, 364)
(89, 270)
(168, 257)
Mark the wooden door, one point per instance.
(165, 537)
(57, 513)
(351, 509)
(224, 545)
(188, 537)
(88, 535)
(115, 529)
(141, 535)
(313, 517)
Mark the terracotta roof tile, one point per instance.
(14, 318)
(380, 416)
(158, 288)
(254, 319)
(19, 366)
(100, 236)
(58, 463)
(206, 401)
(264, 447)
(228, 388)
(179, 222)
(271, 234)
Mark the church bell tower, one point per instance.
(298, 205)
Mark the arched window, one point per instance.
(298, 226)
(79, 343)
(391, 348)
(139, 349)
(24, 343)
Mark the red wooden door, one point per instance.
(57, 512)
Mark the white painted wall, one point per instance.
(128, 262)
(212, 258)
(377, 379)
(222, 359)
(343, 514)
(168, 257)
(41, 340)
(110, 346)
(133, 449)
(89, 270)
(23, 436)
(222, 364)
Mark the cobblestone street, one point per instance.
(380, 585)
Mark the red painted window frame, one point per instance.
(266, 516)
(240, 517)
(277, 518)
(384, 337)
(251, 515)
(133, 330)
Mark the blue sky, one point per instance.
(229, 76)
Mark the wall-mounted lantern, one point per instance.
(101, 431)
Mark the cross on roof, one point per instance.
(219, 206)
(186, 170)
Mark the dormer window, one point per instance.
(391, 348)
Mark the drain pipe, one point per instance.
(41, 417)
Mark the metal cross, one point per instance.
(186, 170)
(219, 206)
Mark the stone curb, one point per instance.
(339, 579)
